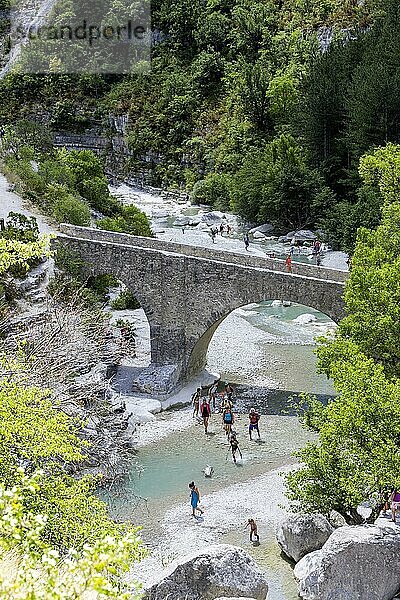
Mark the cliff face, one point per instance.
(24, 16)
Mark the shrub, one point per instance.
(69, 209)
(22, 228)
(132, 221)
(100, 284)
(95, 191)
(126, 300)
(213, 191)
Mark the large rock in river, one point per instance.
(215, 216)
(219, 570)
(300, 534)
(356, 563)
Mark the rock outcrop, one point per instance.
(356, 563)
(219, 571)
(300, 534)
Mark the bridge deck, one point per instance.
(272, 264)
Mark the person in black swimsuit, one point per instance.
(205, 411)
(234, 446)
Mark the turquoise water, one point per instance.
(163, 470)
(269, 359)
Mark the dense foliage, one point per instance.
(31, 569)
(56, 537)
(357, 456)
(68, 186)
(231, 82)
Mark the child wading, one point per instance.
(194, 498)
(253, 529)
(234, 446)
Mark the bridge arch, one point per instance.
(198, 356)
(186, 291)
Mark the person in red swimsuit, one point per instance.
(254, 418)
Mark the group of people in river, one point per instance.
(203, 406)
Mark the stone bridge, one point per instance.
(187, 291)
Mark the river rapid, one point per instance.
(266, 351)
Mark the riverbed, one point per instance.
(266, 351)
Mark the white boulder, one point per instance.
(215, 216)
(305, 319)
(266, 228)
(276, 303)
(219, 570)
(160, 214)
(257, 235)
(181, 221)
(299, 534)
(202, 226)
(356, 563)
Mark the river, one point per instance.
(267, 351)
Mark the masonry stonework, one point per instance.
(186, 293)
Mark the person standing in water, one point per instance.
(289, 264)
(253, 529)
(196, 402)
(229, 391)
(246, 241)
(194, 498)
(234, 446)
(228, 420)
(212, 393)
(205, 411)
(254, 418)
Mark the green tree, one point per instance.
(32, 569)
(372, 293)
(213, 190)
(356, 458)
(278, 186)
(372, 103)
(131, 220)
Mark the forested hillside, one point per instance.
(260, 106)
